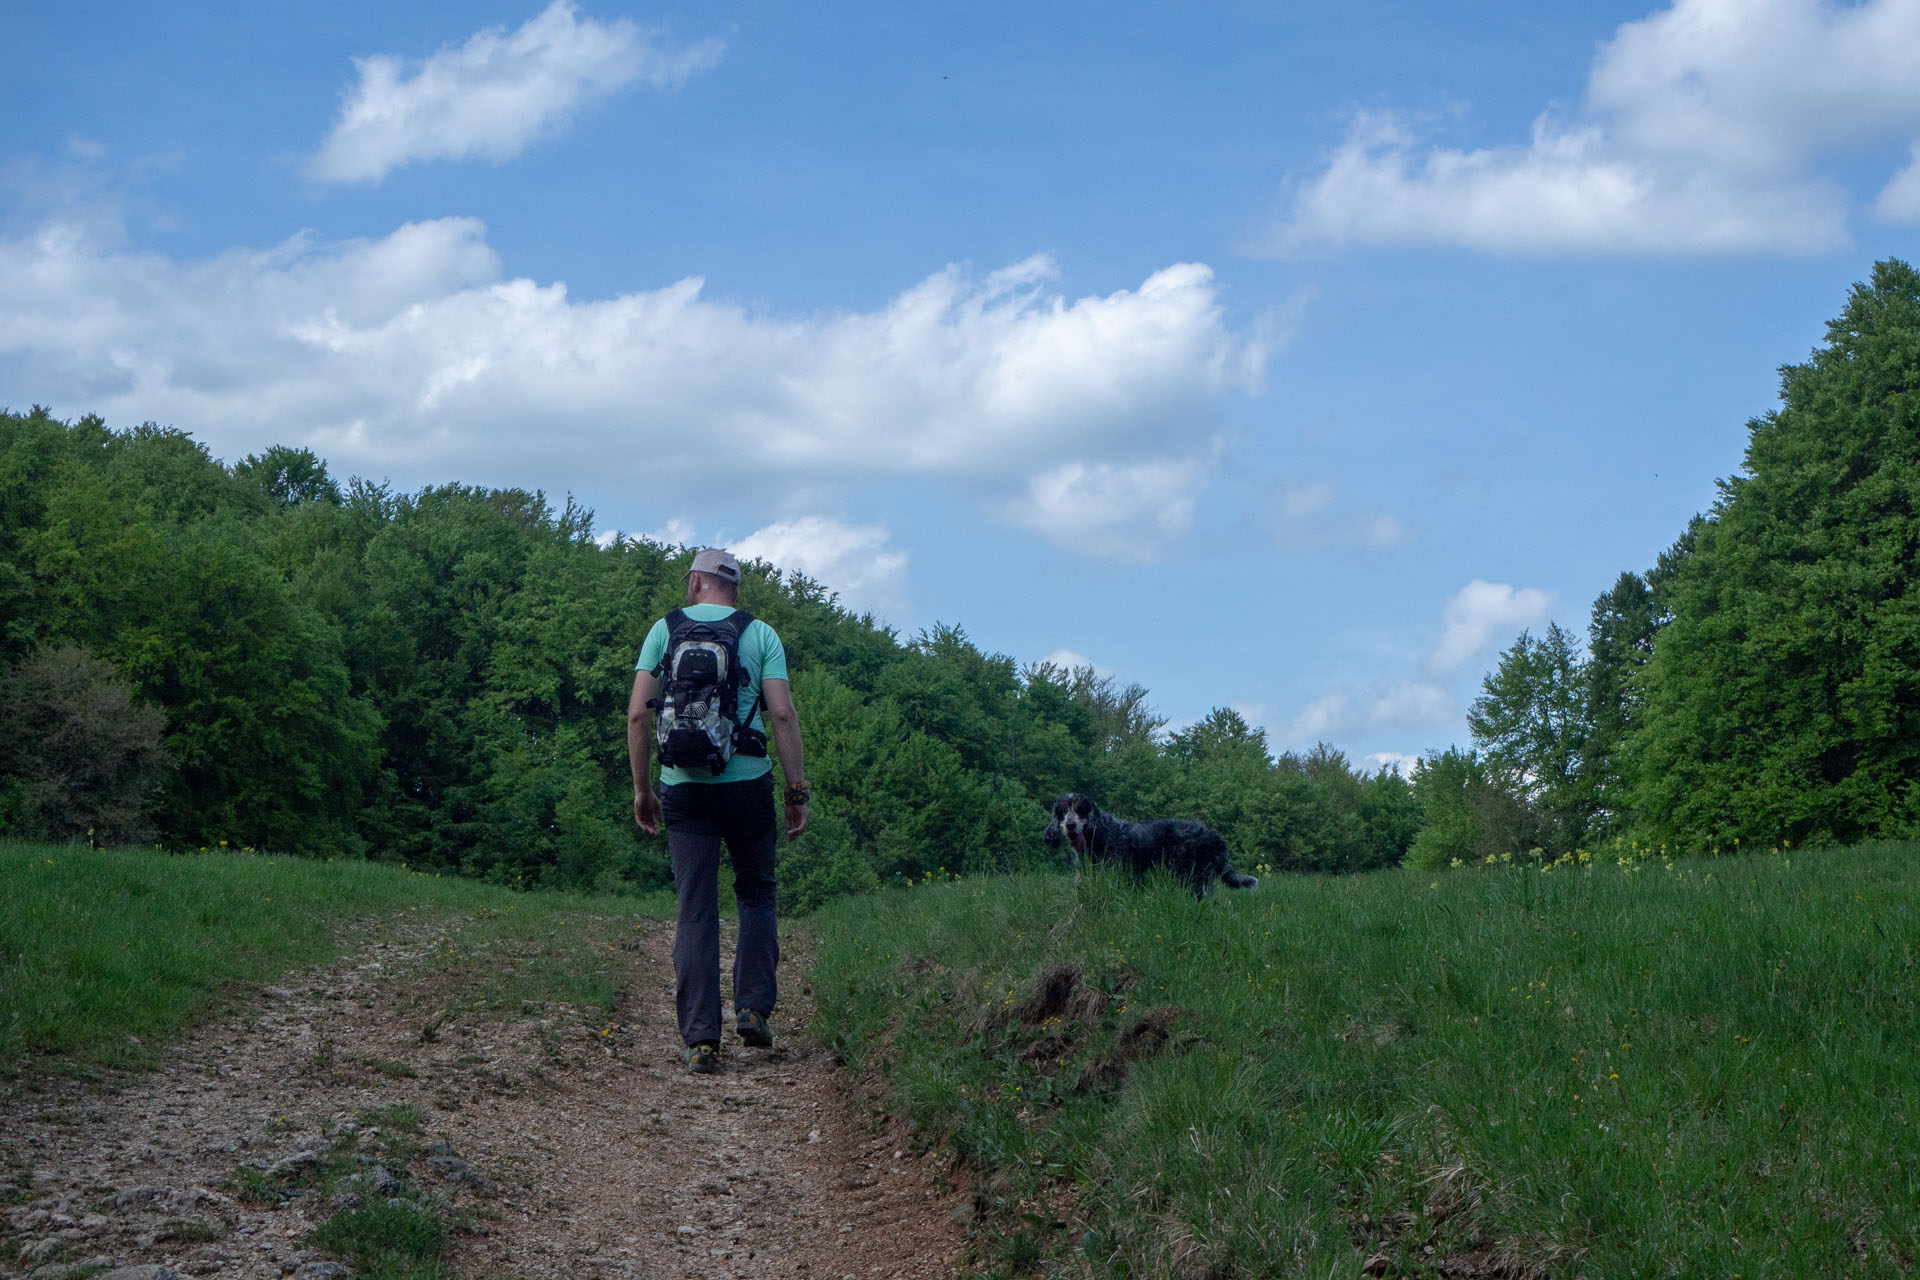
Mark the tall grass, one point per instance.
(1698, 1068)
(106, 956)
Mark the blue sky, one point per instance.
(1285, 358)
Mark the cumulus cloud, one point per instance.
(1568, 190)
(493, 95)
(1702, 131)
(1760, 86)
(1899, 200)
(1480, 613)
(414, 354)
(1127, 512)
(852, 560)
(1400, 705)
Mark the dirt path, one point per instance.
(567, 1147)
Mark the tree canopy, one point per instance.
(441, 678)
(1782, 695)
(262, 655)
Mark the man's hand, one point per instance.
(796, 818)
(646, 804)
(646, 810)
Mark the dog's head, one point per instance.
(1072, 822)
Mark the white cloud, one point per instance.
(1400, 705)
(1899, 201)
(851, 560)
(494, 94)
(1070, 660)
(1702, 131)
(414, 354)
(1567, 190)
(678, 532)
(1481, 612)
(1398, 761)
(1760, 86)
(1114, 511)
(1324, 718)
(1407, 704)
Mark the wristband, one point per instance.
(797, 793)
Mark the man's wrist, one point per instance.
(798, 793)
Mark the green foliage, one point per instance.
(290, 476)
(1471, 811)
(1619, 641)
(83, 759)
(397, 1237)
(1782, 697)
(1761, 683)
(1291, 813)
(441, 678)
(1532, 722)
(1611, 1068)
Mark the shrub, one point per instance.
(77, 754)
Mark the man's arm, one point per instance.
(646, 803)
(784, 721)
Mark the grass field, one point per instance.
(107, 956)
(1704, 1068)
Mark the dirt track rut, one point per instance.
(570, 1146)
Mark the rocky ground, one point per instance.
(553, 1143)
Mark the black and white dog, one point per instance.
(1191, 850)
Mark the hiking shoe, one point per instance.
(704, 1058)
(754, 1030)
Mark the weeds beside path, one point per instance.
(441, 1133)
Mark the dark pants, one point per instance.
(699, 815)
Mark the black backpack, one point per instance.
(699, 725)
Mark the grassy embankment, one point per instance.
(105, 957)
(1701, 1068)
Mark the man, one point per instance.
(701, 809)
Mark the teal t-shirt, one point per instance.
(762, 657)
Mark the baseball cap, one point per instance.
(714, 561)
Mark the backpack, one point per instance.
(699, 725)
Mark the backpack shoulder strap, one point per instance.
(740, 620)
(674, 621)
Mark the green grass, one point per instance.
(395, 1232)
(108, 956)
(1703, 1068)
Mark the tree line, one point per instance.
(1760, 684)
(258, 656)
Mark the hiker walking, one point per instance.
(709, 670)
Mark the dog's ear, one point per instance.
(1051, 836)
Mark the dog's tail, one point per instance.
(1237, 881)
